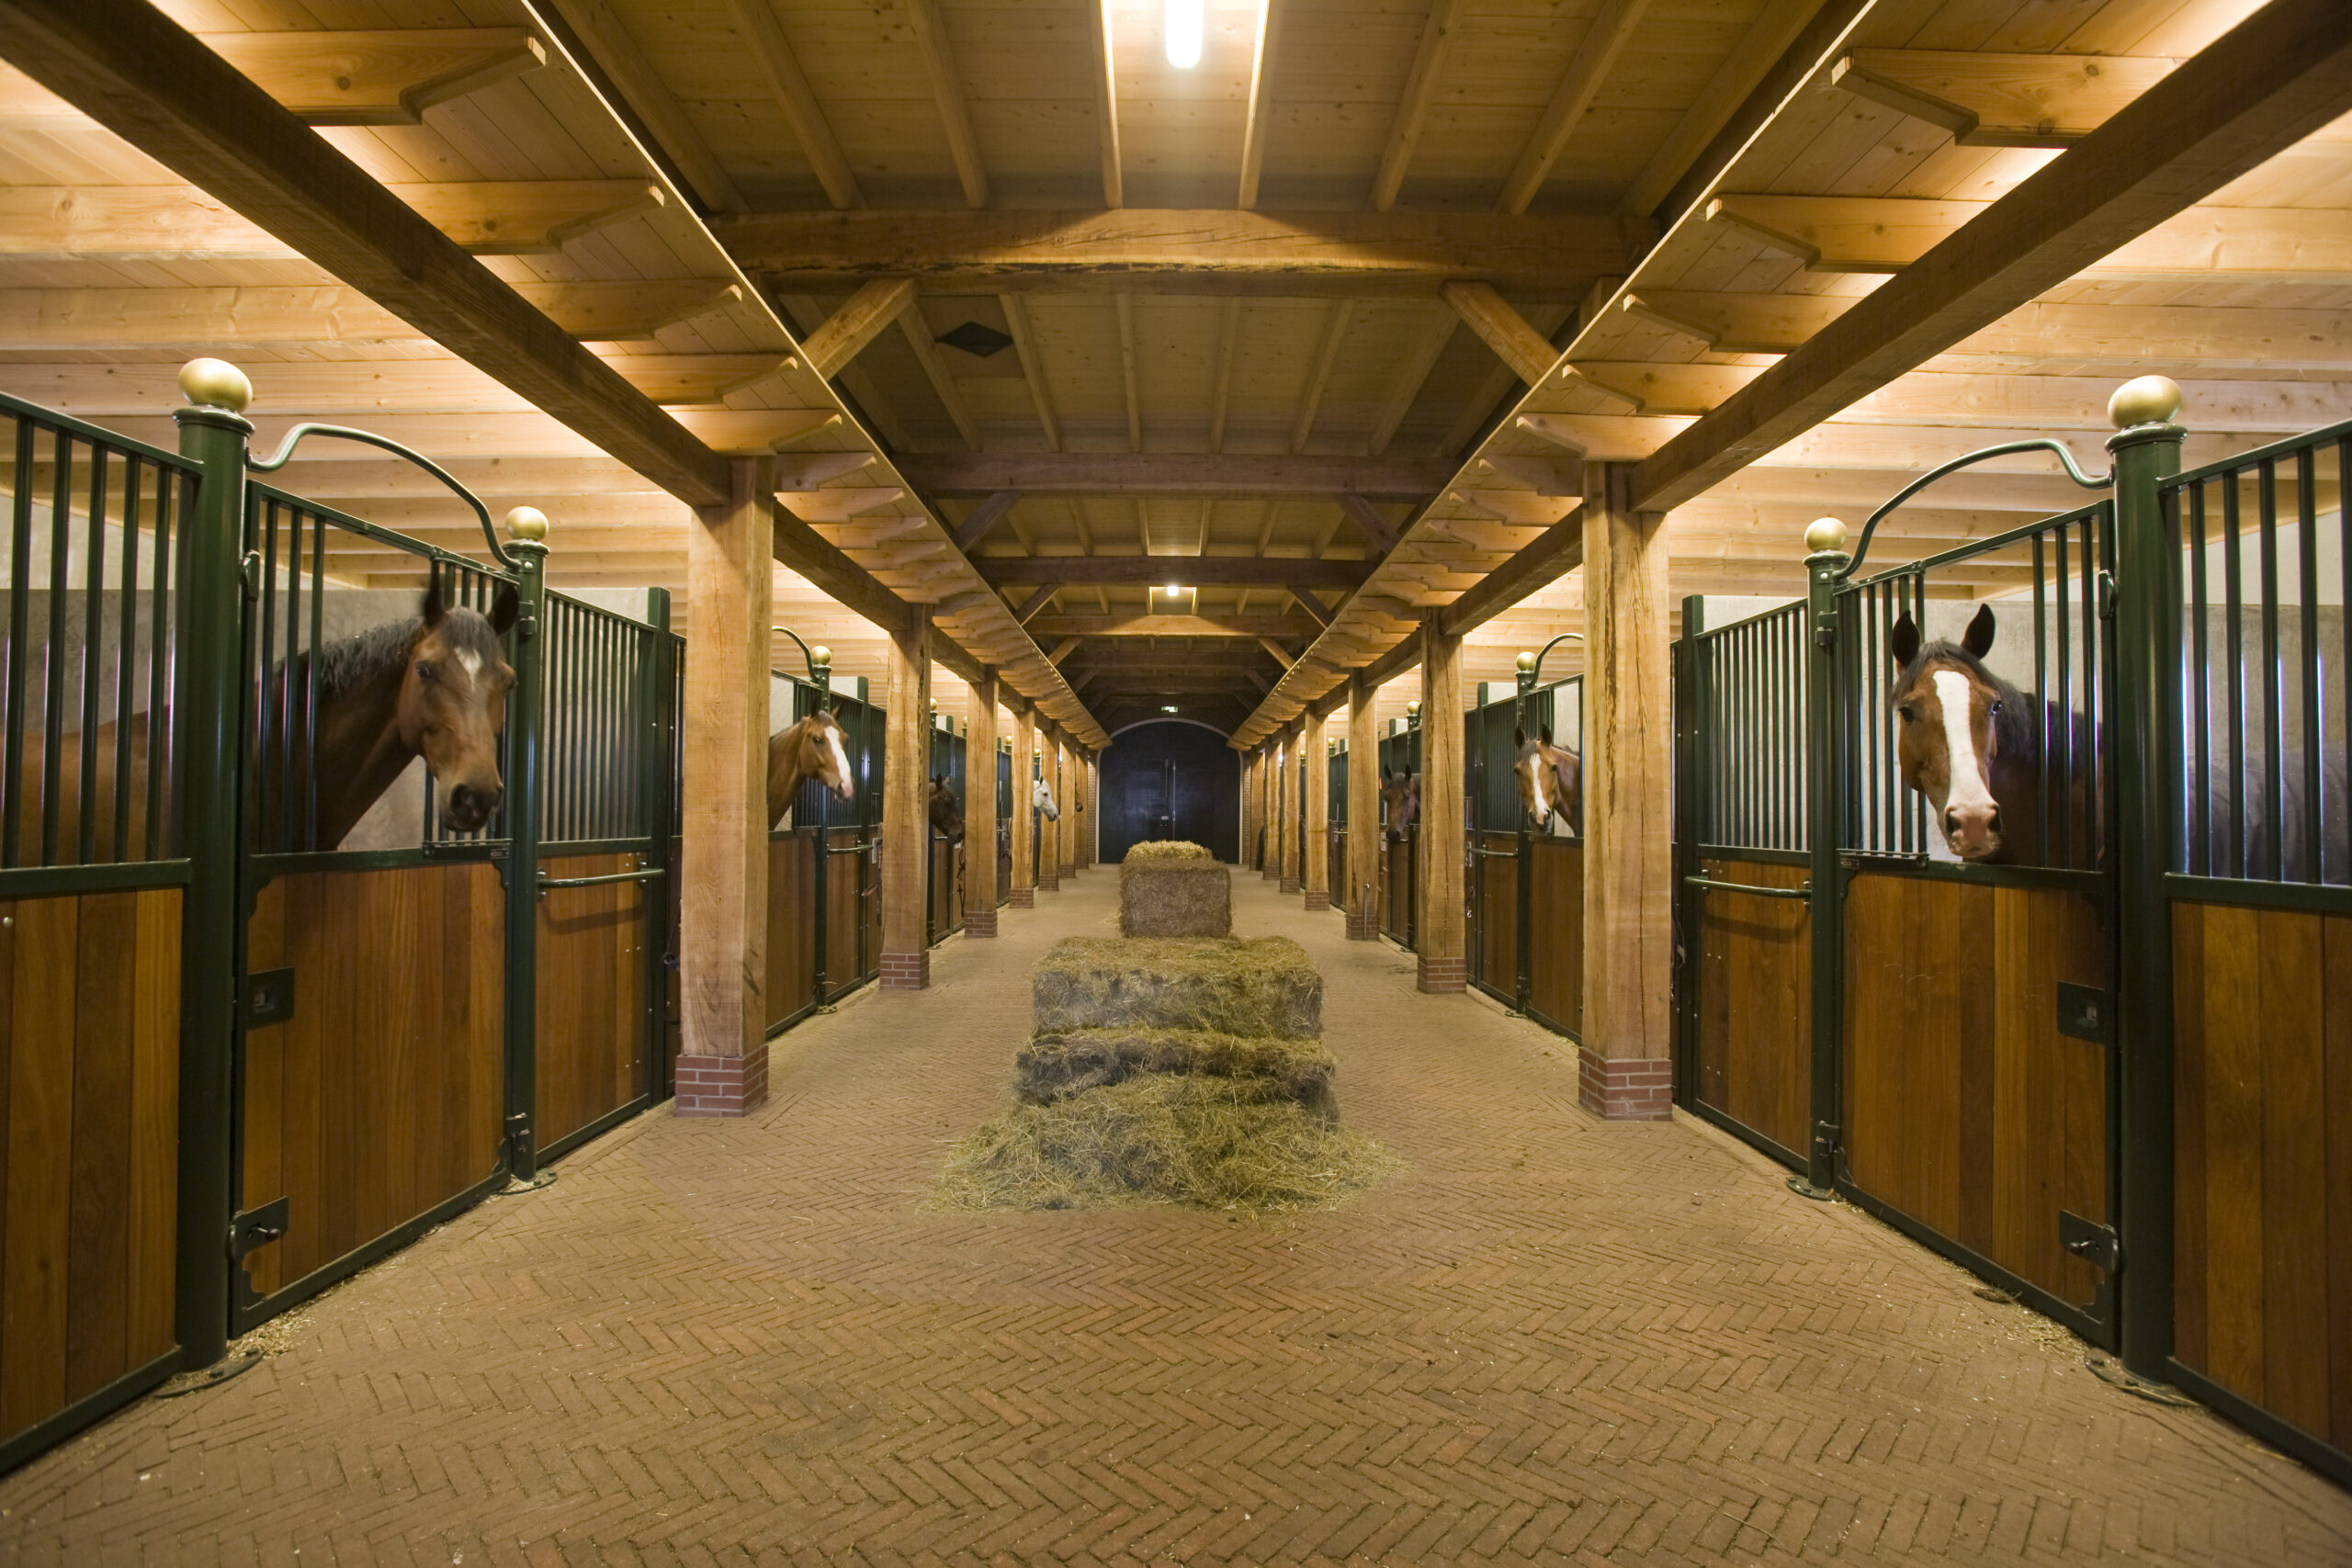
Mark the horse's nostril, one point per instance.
(1996, 823)
(1951, 823)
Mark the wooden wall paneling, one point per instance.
(2295, 1170)
(1755, 1039)
(2337, 1067)
(2233, 1096)
(154, 1127)
(262, 1152)
(792, 926)
(1498, 912)
(2189, 1346)
(1555, 960)
(592, 994)
(33, 1301)
(1900, 1060)
(98, 1245)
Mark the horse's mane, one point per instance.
(2013, 727)
(345, 665)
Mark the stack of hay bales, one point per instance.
(1170, 888)
(1170, 1070)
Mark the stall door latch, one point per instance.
(2083, 1013)
(269, 997)
(2094, 1244)
(257, 1229)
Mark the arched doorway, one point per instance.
(1170, 778)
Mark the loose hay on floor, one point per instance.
(1056, 1067)
(1174, 894)
(1266, 987)
(1236, 1146)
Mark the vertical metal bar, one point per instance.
(2274, 733)
(1689, 812)
(2147, 616)
(654, 780)
(2234, 617)
(2094, 680)
(310, 768)
(20, 562)
(288, 707)
(2199, 802)
(162, 649)
(2307, 660)
(61, 516)
(1822, 634)
(523, 709)
(94, 583)
(126, 658)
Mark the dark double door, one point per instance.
(1171, 781)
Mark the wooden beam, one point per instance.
(1596, 53)
(484, 217)
(1303, 594)
(374, 386)
(1034, 601)
(756, 20)
(130, 68)
(1228, 334)
(983, 517)
(1517, 345)
(1282, 656)
(1394, 662)
(609, 45)
(947, 88)
(1172, 473)
(1262, 102)
(1412, 375)
(1147, 624)
(1202, 571)
(1064, 649)
(858, 322)
(1378, 531)
(1558, 552)
(942, 382)
(2261, 87)
(830, 571)
(1032, 366)
(1761, 54)
(1125, 308)
(1105, 72)
(1413, 106)
(2000, 100)
(1326, 255)
(1335, 332)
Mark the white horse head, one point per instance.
(1041, 799)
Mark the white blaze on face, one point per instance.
(1967, 785)
(470, 661)
(1535, 784)
(841, 758)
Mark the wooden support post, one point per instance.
(1291, 826)
(1441, 942)
(1025, 815)
(1317, 826)
(1090, 826)
(1627, 1067)
(906, 818)
(979, 808)
(723, 903)
(1066, 766)
(1249, 805)
(1363, 812)
(1269, 855)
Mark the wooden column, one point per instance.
(1440, 936)
(1627, 1067)
(906, 819)
(1049, 855)
(1090, 838)
(1291, 825)
(1363, 812)
(1318, 811)
(980, 809)
(1024, 858)
(1270, 865)
(1248, 805)
(1065, 762)
(723, 905)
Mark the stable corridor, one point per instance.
(1547, 1338)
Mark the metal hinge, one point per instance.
(2097, 1245)
(518, 1139)
(249, 576)
(257, 1229)
(269, 997)
(2106, 594)
(2083, 1013)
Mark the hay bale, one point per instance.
(1229, 1145)
(1174, 894)
(1056, 1067)
(1166, 849)
(1252, 988)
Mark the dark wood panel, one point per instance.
(792, 926)
(89, 1094)
(593, 1020)
(2263, 1169)
(386, 1085)
(1754, 1040)
(1965, 1108)
(945, 889)
(1556, 937)
(1494, 906)
(1339, 867)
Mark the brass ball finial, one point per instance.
(1526, 662)
(215, 384)
(1824, 535)
(821, 657)
(1414, 706)
(2143, 400)
(528, 523)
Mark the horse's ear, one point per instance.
(504, 608)
(431, 611)
(1547, 735)
(1519, 737)
(1902, 640)
(1978, 638)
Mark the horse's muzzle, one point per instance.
(469, 806)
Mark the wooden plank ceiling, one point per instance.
(1318, 332)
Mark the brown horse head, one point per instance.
(1550, 780)
(1402, 791)
(1963, 738)
(946, 810)
(812, 748)
(452, 704)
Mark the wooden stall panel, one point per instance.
(792, 925)
(1964, 1107)
(593, 1023)
(383, 1096)
(1397, 888)
(945, 889)
(1339, 867)
(2263, 1167)
(1494, 895)
(1754, 1034)
(89, 1106)
(853, 915)
(1555, 943)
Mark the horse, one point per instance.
(946, 810)
(433, 686)
(1551, 783)
(1041, 800)
(1402, 791)
(810, 749)
(1968, 740)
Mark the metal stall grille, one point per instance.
(824, 909)
(944, 863)
(1400, 757)
(1336, 806)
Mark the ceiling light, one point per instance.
(1168, 707)
(1172, 591)
(1184, 31)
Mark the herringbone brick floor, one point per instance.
(1547, 1340)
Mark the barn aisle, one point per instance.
(1548, 1338)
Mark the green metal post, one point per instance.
(656, 792)
(2147, 452)
(821, 667)
(208, 800)
(1825, 557)
(1523, 884)
(1688, 815)
(525, 705)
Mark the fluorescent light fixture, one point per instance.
(1168, 707)
(1185, 25)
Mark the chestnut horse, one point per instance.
(1551, 783)
(810, 750)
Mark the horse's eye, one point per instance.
(425, 671)
(1993, 710)
(1909, 716)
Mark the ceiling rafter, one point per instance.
(756, 20)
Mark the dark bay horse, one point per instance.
(810, 749)
(1551, 783)
(946, 810)
(1971, 742)
(1402, 791)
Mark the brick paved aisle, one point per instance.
(1546, 1339)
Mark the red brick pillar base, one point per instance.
(1289, 882)
(1068, 869)
(722, 1085)
(1047, 882)
(1443, 975)
(906, 971)
(1319, 900)
(1626, 1089)
(1025, 897)
(979, 922)
(1363, 926)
